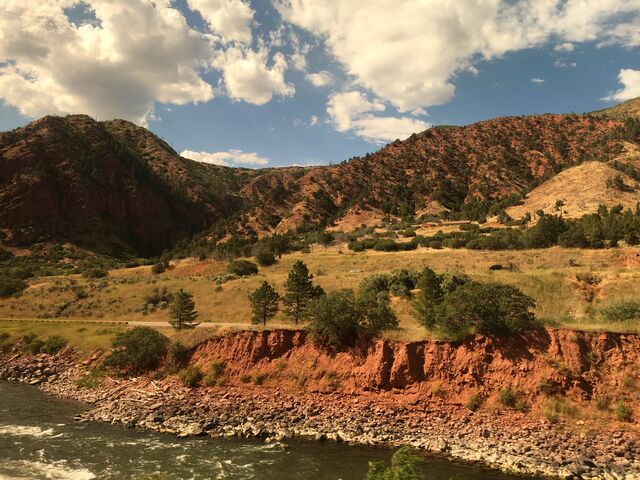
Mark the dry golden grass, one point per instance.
(546, 275)
(582, 188)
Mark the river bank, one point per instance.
(352, 409)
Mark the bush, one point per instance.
(158, 296)
(190, 376)
(621, 312)
(215, 375)
(10, 286)
(356, 246)
(386, 245)
(458, 306)
(334, 317)
(160, 267)
(54, 344)
(265, 257)
(242, 268)
(138, 350)
(179, 354)
(259, 378)
(623, 413)
(474, 402)
(95, 273)
(91, 379)
(511, 399)
(404, 466)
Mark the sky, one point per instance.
(266, 83)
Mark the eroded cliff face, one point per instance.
(581, 366)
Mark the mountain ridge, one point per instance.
(116, 187)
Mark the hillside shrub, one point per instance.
(54, 344)
(216, 375)
(623, 413)
(621, 312)
(242, 268)
(190, 376)
(265, 257)
(511, 398)
(11, 286)
(179, 354)
(137, 350)
(95, 272)
(160, 267)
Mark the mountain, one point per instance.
(108, 186)
(621, 111)
(115, 187)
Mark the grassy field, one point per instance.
(549, 276)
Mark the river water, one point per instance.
(40, 440)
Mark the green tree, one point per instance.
(138, 350)
(335, 317)
(429, 296)
(457, 306)
(299, 291)
(264, 303)
(377, 314)
(405, 465)
(183, 313)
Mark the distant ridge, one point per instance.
(115, 187)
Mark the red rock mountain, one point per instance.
(115, 187)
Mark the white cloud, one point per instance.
(136, 54)
(408, 52)
(630, 79)
(537, 80)
(237, 157)
(229, 18)
(313, 120)
(564, 63)
(564, 47)
(248, 76)
(320, 79)
(298, 58)
(353, 111)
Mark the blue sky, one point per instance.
(230, 81)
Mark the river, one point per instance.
(40, 440)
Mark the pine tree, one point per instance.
(264, 303)
(183, 312)
(300, 291)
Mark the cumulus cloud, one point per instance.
(537, 80)
(408, 52)
(108, 68)
(630, 79)
(313, 120)
(564, 47)
(353, 111)
(229, 18)
(235, 157)
(320, 79)
(249, 77)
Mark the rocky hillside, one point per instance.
(108, 186)
(113, 186)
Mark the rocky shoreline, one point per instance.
(509, 441)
